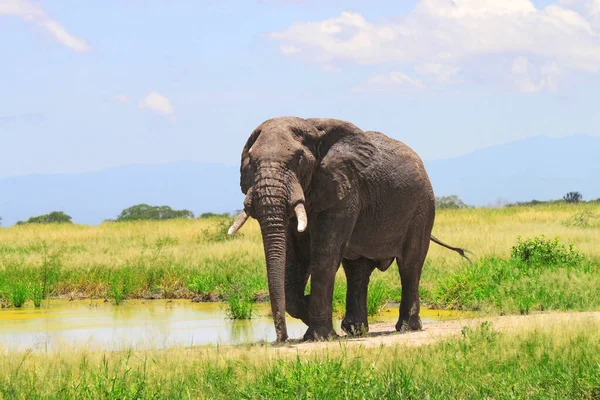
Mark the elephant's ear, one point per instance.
(343, 155)
(246, 167)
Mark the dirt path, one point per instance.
(385, 334)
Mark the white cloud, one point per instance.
(122, 98)
(36, 15)
(157, 103)
(288, 49)
(528, 78)
(441, 72)
(330, 68)
(390, 82)
(440, 38)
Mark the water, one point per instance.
(152, 324)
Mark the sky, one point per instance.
(89, 85)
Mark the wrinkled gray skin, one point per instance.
(368, 201)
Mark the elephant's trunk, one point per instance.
(270, 204)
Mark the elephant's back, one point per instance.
(398, 162)
(396, 196)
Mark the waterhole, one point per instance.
(152, 324)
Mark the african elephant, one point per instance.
(324, 192)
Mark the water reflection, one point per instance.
(96, 325)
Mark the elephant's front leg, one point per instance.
(329, 235)
(296, 274)
(358, 273)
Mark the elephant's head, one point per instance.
(279, 162)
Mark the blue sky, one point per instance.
(86, 85)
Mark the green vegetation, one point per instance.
(196, 259)
(144, 212)
(240, 303)
(521, 267)
(572, 197)
(569, 198)
(377, 297)
(540, 275)
(583, 219)
(55, 217)
(213, 215)
(482, 363)
(449, 202)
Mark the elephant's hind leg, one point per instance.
(358, 273)
(410, 266)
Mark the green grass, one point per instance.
(529, 364)
(239, 304)
(195, 259)
(377, 297)
(540, 275)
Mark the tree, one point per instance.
(0, 221)
(141, 212)
(572, 197)
(449, 202)
(213, 215)
(55, 217)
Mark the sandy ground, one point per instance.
(385, 333)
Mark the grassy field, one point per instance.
(187, 259)
(482, 363)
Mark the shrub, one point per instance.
(218, 232)
(582, 219)
(449, 202)
(572, 197)
(541, 251)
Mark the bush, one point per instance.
(142, 212)
(449, 202)
(219, 232)
(582, 219)
(55, 217)
(572, 197)
(541, 251)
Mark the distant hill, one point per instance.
(92, 197)
(540, 168)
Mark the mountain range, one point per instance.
(541, 168)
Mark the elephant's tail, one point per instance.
(460, 251)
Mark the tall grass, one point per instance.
(540, 275)
(194, 259)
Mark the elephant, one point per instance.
(326, 193)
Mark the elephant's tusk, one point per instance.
(239, 222)
(302, 219)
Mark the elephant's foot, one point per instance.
(353, 328)
(413, 323)
(320, 333)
